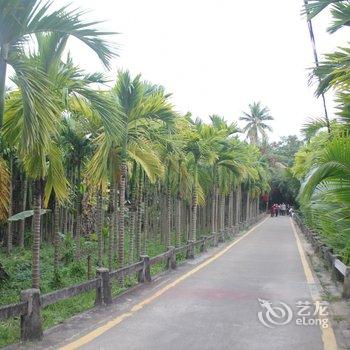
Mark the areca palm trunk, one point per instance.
(247, 206)
(314, 49)
(194, 215)
(194, 208)
(217, 215)
(238, 206)
(132, 235)
(178, 221)
(78, 231)
(168, 222)
(139, 217)
(56, 236)
(222, 213)
(23, 222)
(145, 224)
(9, 224)
(79, 210)
(36, 234)
(116, 220)
(4, 49)
(111, 214)
(134, 193)
(99, 227)
(230, 210)
(213, 211)
(121, 221)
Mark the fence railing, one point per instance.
(340, 271)
(32, 302)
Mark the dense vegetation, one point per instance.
(323, 164)
(94, 176)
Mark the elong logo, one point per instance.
(280, 313)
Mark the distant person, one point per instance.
(291, 212)
(272, 210)
(283, 209)
(277, 209)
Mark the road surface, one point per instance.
(216, 306)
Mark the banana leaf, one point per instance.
(26, 214)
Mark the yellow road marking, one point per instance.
(98, 331)
(328, 337)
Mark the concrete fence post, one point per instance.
(346, 286)
(335, 274)
(221, 236)
(227, 233)
(204, 245)
(145, 274)
(215, 239)
(31, 322)
(190, 251)
(103, 291)
(171, 260)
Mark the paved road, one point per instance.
(217, 306)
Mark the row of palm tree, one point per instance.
(119, 160)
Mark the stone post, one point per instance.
(221, 236)
(31, 323)
(204, 245)
(171, 261)
(216, 239)
(346, 286)
(103, 292)
(145, 274)
(190, 251)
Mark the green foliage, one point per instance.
(325, 194)
(285, 149)
(68, 251)
(77, 269)
(57, 280)
(78, 140)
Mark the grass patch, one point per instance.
(71, 272)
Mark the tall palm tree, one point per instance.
(340, 10)
(256, 124)
(36, 132)
(313, 42)
(139, 105)
(20, 19)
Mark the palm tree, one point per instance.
(221, 132)
(325, 194)
(36, 132)
(139, 106)
(256, 120)
(19, 19)
(340, 10)
(198, 147)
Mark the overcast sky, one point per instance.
(217, 56)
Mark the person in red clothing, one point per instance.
(273, 210)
